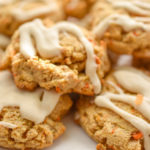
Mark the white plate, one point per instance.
(74, 138)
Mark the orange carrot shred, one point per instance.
(86, 85)
(58, 89)
(92, 41)
(112, 147)
(137, 135)
(97, 60)
(135, 33)
(118, 85)
(139, 99)
(14, 74)
(133, 110)
(98, 147)
(58, 119)
(102, 81)
(113, 130)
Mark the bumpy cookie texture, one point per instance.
(15, 13)
(78, 8)
(28, 135)
(4, 41)
(106, 127)
(65, 73)
(120, 39)
(141, 59)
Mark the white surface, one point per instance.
(74, 138)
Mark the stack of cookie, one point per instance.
(52, 48)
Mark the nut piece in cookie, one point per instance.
(62, 56)
(124, 25)
(30, 120)
(13, 13)
(78, 8)
(119, 118)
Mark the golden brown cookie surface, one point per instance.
(30, 120)
(15, 12)
(108, 123)
(4, 41)
(26, 134)
(124, 25)
(78, 8)
(64, 71)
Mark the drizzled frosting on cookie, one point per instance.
(49, 6)
(47, 44)
(6, 2)
(118, 89)
(133, 80)
(136, 82)
(34, 106)
(133, 6)
(142, 19)
(8, 125)
(126, 22)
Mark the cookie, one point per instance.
(4, 41)
(15, 12)
(30, 120)
(61, 56)
(118, 119)
(124, 25)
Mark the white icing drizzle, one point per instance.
(124, 21)
(142, 8)
(135, 81)
(31, 107)
(4, 41)
(21, 14)
(140, 124)
(118, 89)
(47, 43)
(142, 4)
(8, 125)
(6, 2)
(142, 19)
